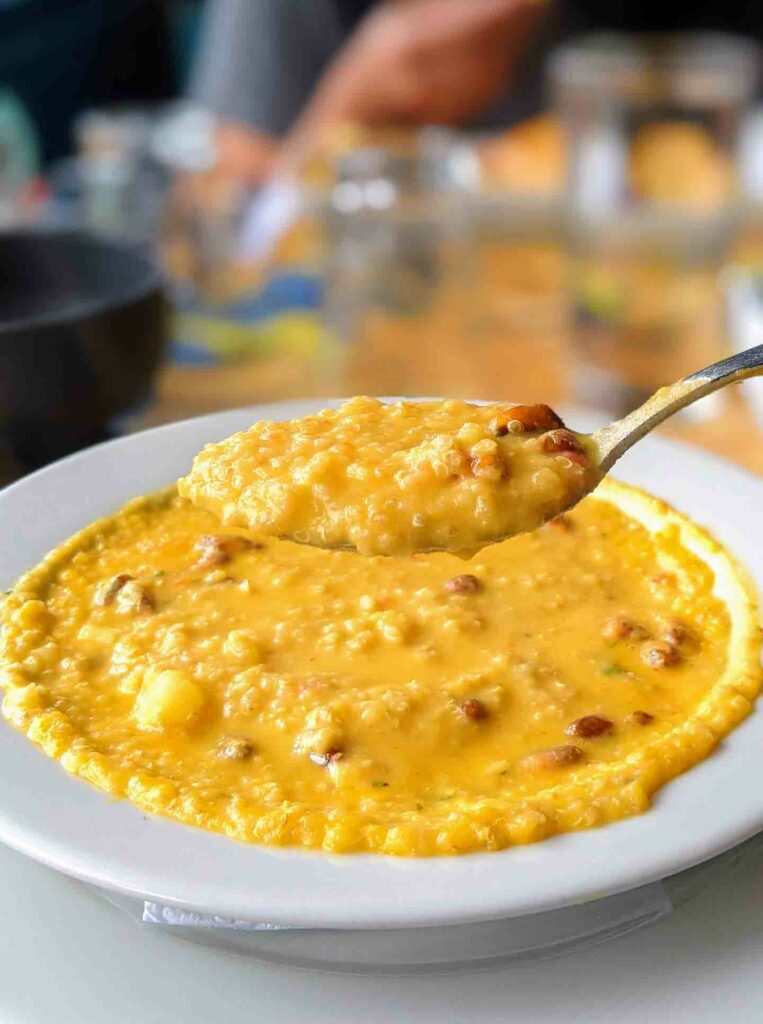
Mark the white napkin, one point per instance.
(479, 944)
(159, 913)
(596, 920)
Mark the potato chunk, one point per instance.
(168, 698)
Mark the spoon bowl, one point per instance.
(415, 477)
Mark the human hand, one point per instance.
(426, 61)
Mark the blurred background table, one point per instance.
(584, 255)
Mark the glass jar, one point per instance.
(651, 204)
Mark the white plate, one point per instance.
(71, 826)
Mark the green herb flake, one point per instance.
(379, 784)
(612, 669)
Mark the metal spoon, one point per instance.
(614, 440)
(604, 447)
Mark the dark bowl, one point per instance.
(83, 325)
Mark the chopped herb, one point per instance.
(379, 784)
(158, 575)
(612, 669)
(419, 807)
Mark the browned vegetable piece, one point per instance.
(464, 584)
(556, 757)
(519, 418)
(106, 592)
(218, 549)
(659, 654)
(576, 458)
(325, 759)
(235, 749)
(474, 708)
(488, 465)
(560, 441)
(620, 627)
(639, 718)
(675, 633)
(562, 522)
(589, 726)
(134, 597)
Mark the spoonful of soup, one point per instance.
(397, 478)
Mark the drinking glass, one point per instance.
(651, 204)
(398, 244)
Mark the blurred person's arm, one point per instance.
(245, 153)
(416, 62)
(258, 63)
(267, 71)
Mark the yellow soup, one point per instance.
(414, 705)
(396, 478)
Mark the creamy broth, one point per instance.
(410, 705)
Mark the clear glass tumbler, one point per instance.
(651, 204)
(399, 244)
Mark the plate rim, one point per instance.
(387, 892)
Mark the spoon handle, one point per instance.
(618, 437)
